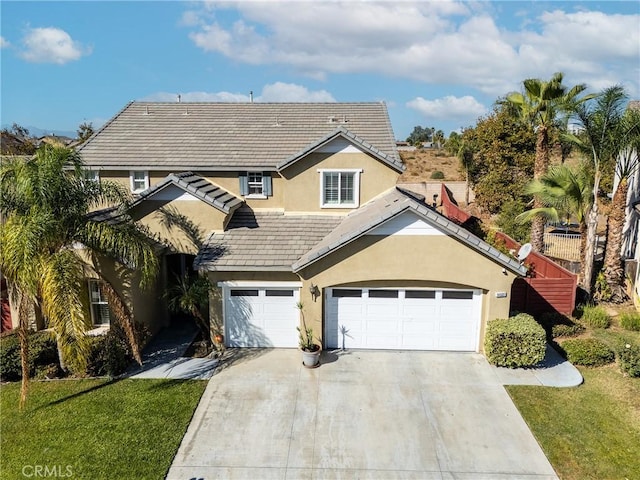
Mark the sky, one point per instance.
(436, 64)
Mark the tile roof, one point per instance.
(387, 206)
(229, 136)
(393, 162)
(263, 241)
(197, 186)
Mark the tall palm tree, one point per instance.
(566, 193)
(627, 163)
(540, 106)
(45, 205)
(600, 119)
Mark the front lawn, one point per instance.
(588, 432)
(95, 429)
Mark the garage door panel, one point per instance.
(404, 319)
(261, 317)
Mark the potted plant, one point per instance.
(310, 350)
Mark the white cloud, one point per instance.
(274, 92)
(51, 45)
(448, 43)
(449, 108)
(3, 42)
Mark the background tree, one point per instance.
(419, 135)
(502, 161)
(539, 107)
(438, 139)
(17, 141)
(85, 130)
(598, 141)
(45, 203)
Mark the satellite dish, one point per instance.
(524, 251)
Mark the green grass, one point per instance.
(100, 429)
(588, 432)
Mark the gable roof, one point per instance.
(263, 241)
(229, 136)
(387, 206)
(197, 186)
(393, 162)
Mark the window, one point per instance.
(279, 293)
(100, 313)
(419, 294)
(345, 293)
(255, 184)
(91, 175)
(244, 293)
(339, 188)
(383, 293)
(139, 180)
(457, 295)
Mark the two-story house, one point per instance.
(296, 203)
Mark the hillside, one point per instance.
(422, 163)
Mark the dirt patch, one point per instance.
(422, 163)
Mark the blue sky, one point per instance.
(440, 63)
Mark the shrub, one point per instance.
(629, 359)
(518, 341)
(437, 175)
(43, 355)
(109, 355)
(595, 317)
(562, 330)
(589, 352)
(507, 222)
(630, 321)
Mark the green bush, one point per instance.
(506, 221)
(589, 352)
(437, 175)
(43, 355)
(630, 321)
(562, 330)
(595, 317)
(109, 355)
(629, 359)
(518, 341)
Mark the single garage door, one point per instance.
(403, 319)
(261, 316)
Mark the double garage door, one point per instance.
(403, 319)
(410, 319)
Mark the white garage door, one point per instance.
(261, 316)
(403, 319)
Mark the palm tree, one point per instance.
(189, 295)
(566, 193)
(627, 163)
(540, 107)
(599, 141)
(465, 156)
(45, 205)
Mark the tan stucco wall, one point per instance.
(147, 306)
(405, 260)
(303, 179)
(202, 216)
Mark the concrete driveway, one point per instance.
(362, 414)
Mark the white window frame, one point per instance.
(356, 187)
(255, 184)
(133, 180)
(101, 301)
(92, 175)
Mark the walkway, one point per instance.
(162, 357)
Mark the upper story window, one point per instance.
(255, 184)
(91, 175)
(100, 313)
(339, 188)
(139, 180)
